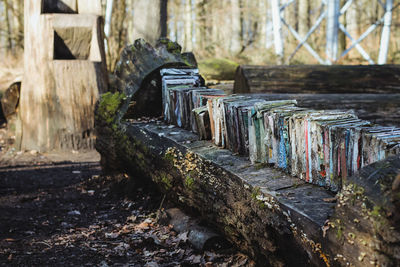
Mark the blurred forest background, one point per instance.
(221, 33)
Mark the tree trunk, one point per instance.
(352, 25)
(263, 20)
(20, 19)
(164, 18)
(202, 32)
(235, 26)
(146, 20)
(304, 14)
(8, 25)
(130, 7)
(188, 25)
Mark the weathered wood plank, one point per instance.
(62, 80)
(320, 79)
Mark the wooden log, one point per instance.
(137, 86)
(366, 222)
(336, 79)
(137, 75)
(275, 218)
(201, 238)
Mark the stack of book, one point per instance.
(322, 147)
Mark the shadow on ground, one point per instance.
(67, 213)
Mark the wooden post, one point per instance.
(64, 72)
(383, 50)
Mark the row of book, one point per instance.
(319, 146)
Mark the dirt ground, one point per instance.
(58, 209)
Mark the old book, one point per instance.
(257, 151)
(203, 122)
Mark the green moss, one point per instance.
(218, 69)
(339, 232)
(260, 166)
(357, 193)
(378, 217)
(261, 204)
(166, 181)
(255, 193)
(229, 230)
(189, 181)
(171, 46)
(376, 212)
(169, 157)
(109, 105)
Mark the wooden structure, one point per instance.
(331, 11)
(278, 219)
(64, 73)
(318, 79)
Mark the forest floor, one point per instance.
(59, 210)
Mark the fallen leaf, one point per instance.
(151, 264)
(122, 247)
(396, 183)
(131, 218)
(143, 226)
(183, 236)
(74, 213)
(196, 259)
(330, 199)
(111, 235)
(325, 228)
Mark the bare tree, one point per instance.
(304, 22)
(8, 25)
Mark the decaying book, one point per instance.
(322, 147)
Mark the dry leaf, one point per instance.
(330, 199)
